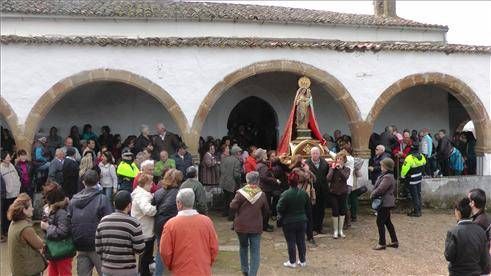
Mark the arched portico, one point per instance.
(456, 87)
(326, 80)
(10, 118)
(65, 86)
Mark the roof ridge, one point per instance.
(204, 11)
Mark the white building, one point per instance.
(118, 63)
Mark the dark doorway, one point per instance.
(253, 121)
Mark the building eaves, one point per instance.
(203, 11)
(265, 43)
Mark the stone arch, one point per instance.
(326, 80)
(11, 119)
(466, 96)
(65, 86)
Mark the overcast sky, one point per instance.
(469, 21)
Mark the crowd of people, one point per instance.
(111, 201)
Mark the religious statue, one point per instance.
(302, 100)
(301, 126)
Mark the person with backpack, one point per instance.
(413, 167)
(86, 209)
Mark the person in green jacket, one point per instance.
(292, 208)
(163, 164)
(412, 168)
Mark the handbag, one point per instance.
(60, 249)
(377, 203)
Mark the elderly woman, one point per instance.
(338, 191)
(165, 200)
(210, 167)
(24, 244)
(384, 188)
(250, 206)
(292, 207)
(144, 212)
(146, 167)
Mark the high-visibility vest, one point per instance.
(127, 170)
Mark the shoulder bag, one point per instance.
(60, 249)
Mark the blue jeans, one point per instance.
(253, 243)
(159, 265)
(108, 192)
(415, 191)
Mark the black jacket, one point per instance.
(165, 200)
(375, 163)
(321, 186)
(142, 142)
(169, 144)
(467, 249)
(70, 177)
(444, 148)
(183, 163)
(86, 209)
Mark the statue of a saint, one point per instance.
(301, 123)
(302, 102)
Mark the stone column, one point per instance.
(483, 147)
(360, 135)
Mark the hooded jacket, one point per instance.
(85, 210)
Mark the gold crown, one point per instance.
(304, 82)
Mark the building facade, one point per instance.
(190, 65)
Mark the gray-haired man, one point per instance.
(189, 243)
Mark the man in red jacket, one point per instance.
(189, 243)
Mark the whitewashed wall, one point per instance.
(123, 108)
(416, 108)
(188, 74)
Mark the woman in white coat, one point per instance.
(11, 183)
(143, 210)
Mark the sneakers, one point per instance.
(304, 264)
(288, 264)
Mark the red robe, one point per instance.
(284, 145)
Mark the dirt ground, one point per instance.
(420, 252)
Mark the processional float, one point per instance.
(301, 131)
